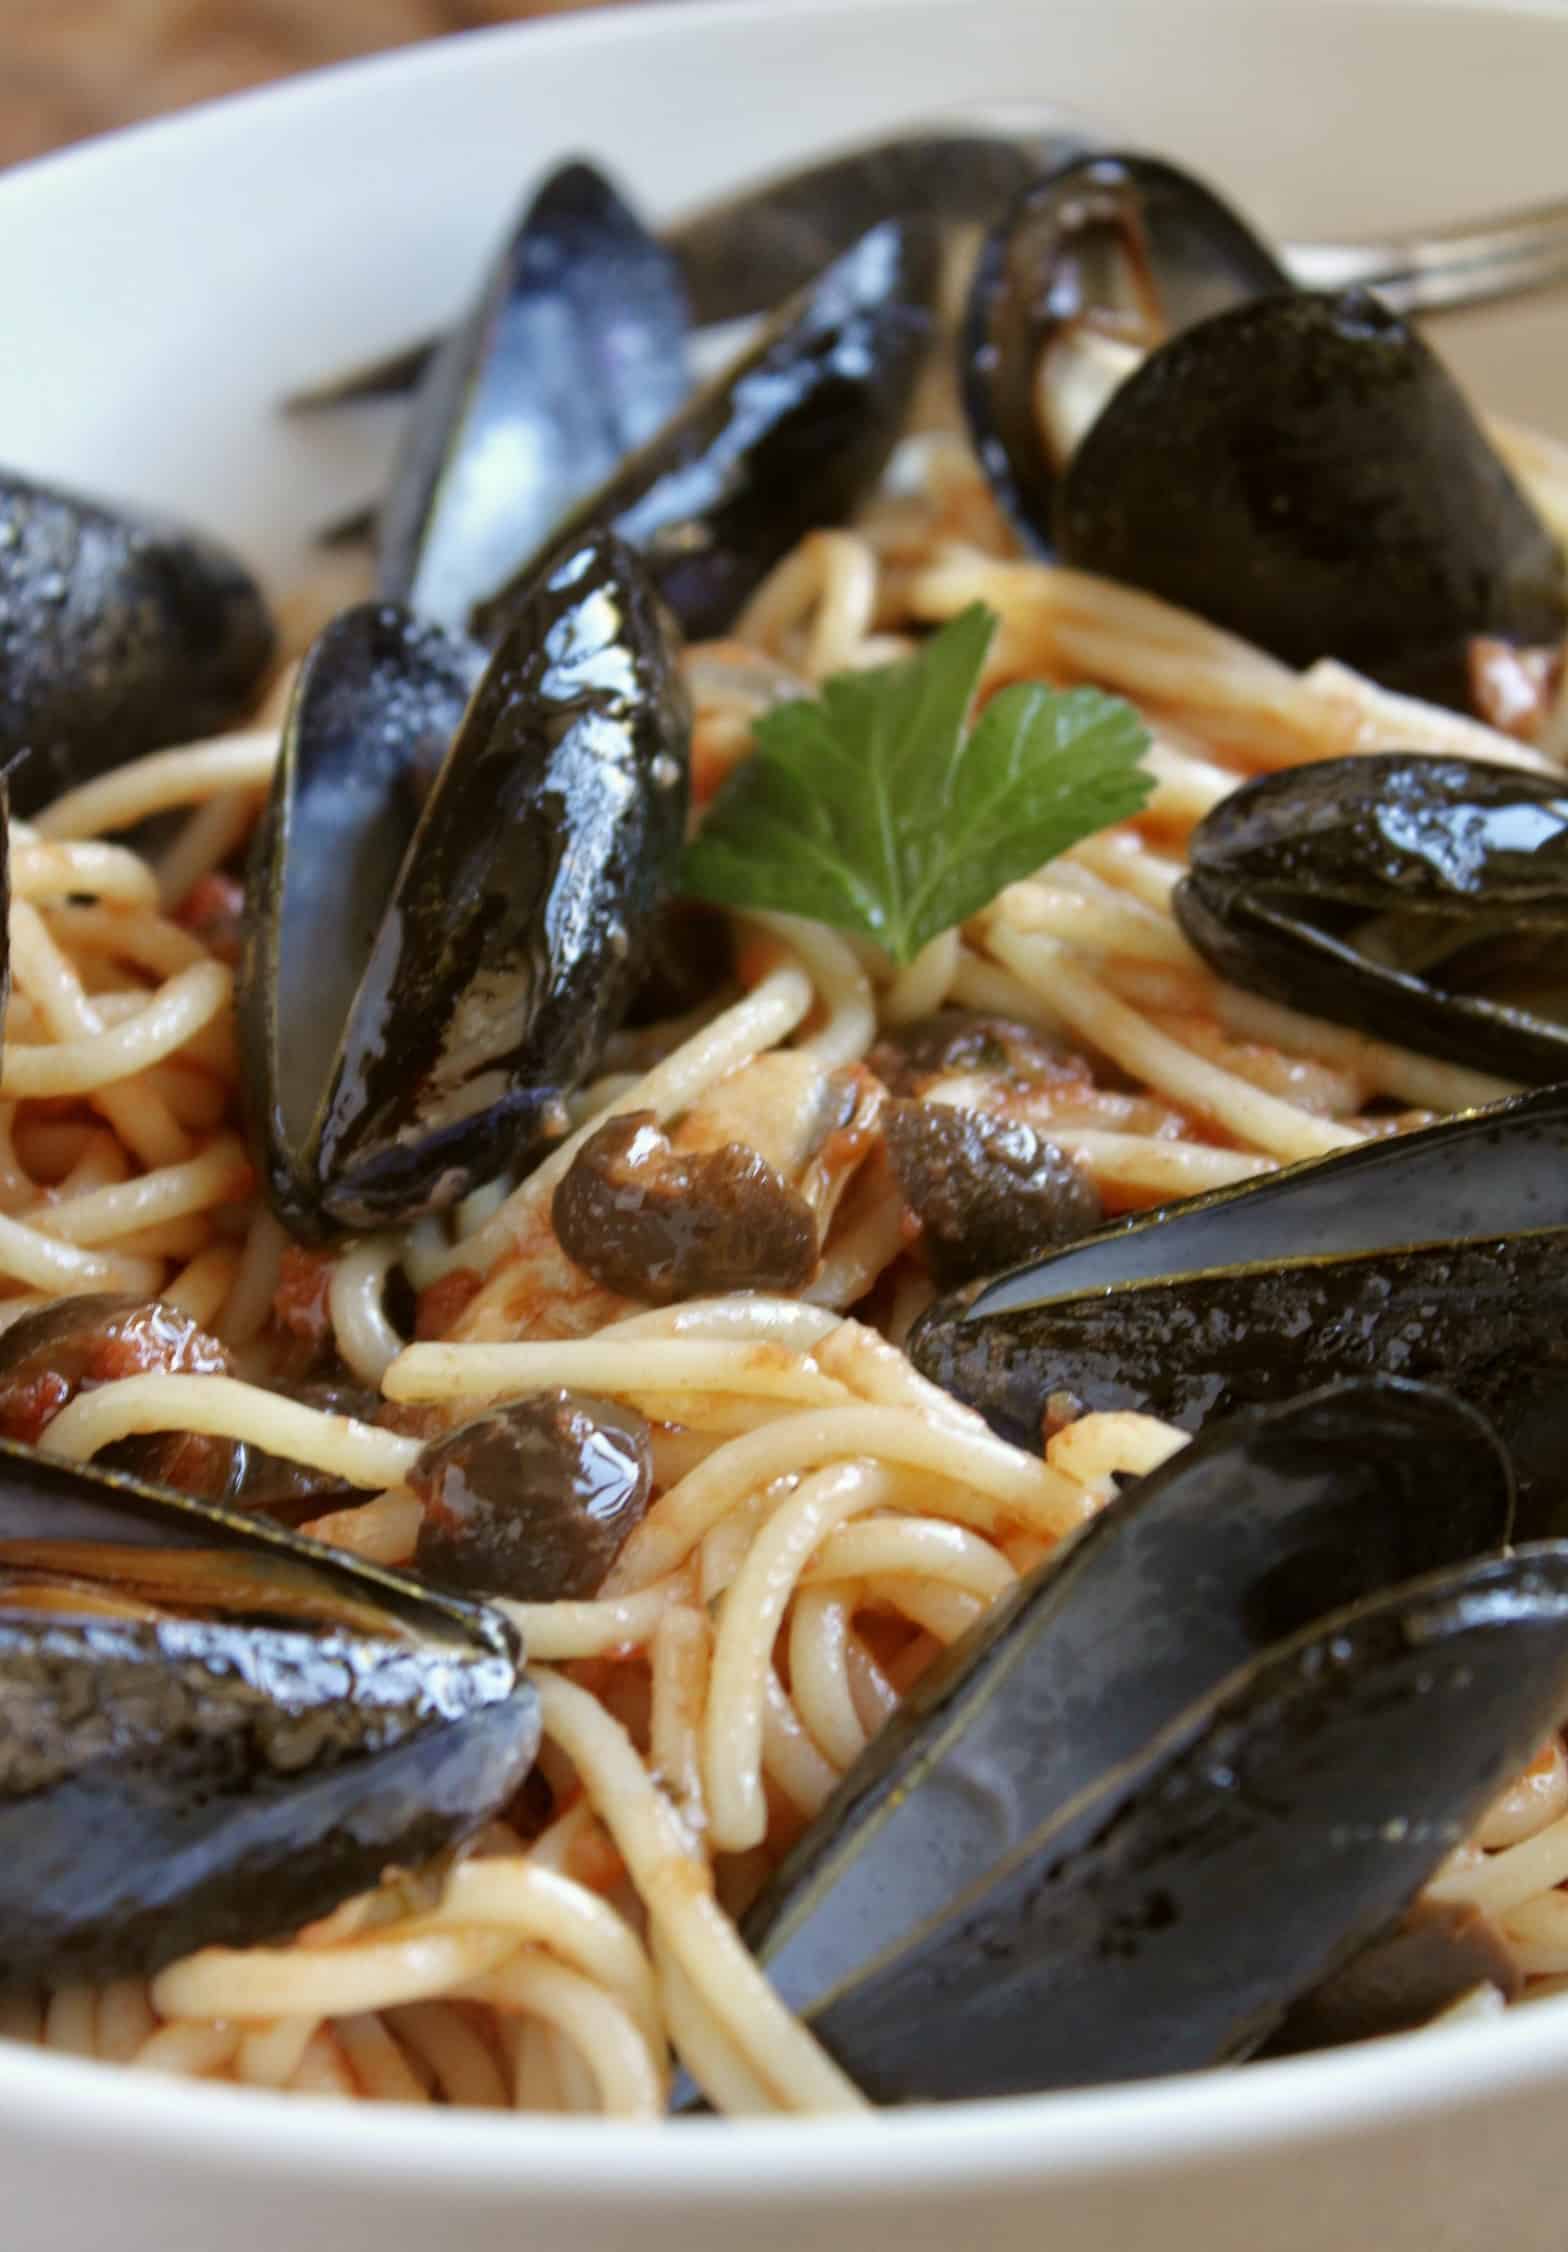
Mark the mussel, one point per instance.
(572, 356)
(118, 633)
(1261, 1526)
(496, 927)
(1156, 405)
(1422, 898)
(1440, 1254)
(793, 436)
(1091, 268)
(1165, 1918)
(747, 252)
(212, 1731)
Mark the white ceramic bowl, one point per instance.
(159, 291)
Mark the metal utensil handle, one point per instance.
(1465, 265)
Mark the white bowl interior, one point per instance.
(162, 290)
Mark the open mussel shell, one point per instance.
(792, 437)
(1254, 1530)
(1304, 472)
(573, 355)
(1089, 269)
(1167, 1919)
(1440, 1255)
(118, 633)
(749, 251)
(462, 970)
(212, 1731)
(376, 705)
(1425, 899)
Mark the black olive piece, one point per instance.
(908, 1058)
(91, 1338)
(987, 1191)
(118, 632)
(659, 1223)
(290, 1492)
(535, 1499)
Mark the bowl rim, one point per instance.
(1151, 2126)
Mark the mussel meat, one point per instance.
(572, 356)
(792, 437)
(118, 633)
(1264, 1524)
(1440, 1254)
(213, 1731)
(497, 927)
(1156, 405)
(1425, 899)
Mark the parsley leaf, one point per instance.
(872, 808)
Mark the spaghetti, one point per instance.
(824, 1521)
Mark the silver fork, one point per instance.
(1449, 267)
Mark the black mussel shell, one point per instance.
(792, 437)
(1167, 1918)
(1425, 899)
(574, 354)
(748, 252)
(212, 1731)
(1093, 265)
(1249, 1534)
(476, 960)
(374, 710)
(1304, 472)
(1436, 1954)
(118, 633)
(1440, 1255)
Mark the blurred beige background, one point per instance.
(69, 68)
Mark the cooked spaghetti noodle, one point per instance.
(824, 1521)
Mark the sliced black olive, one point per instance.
(95, 1337)
(987, 1191)
(911, 1057)
(534, 1500)
(658, 1223)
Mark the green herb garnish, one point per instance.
(875, 809)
